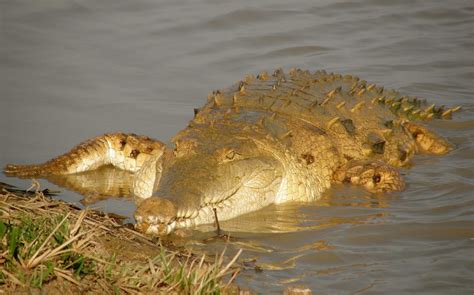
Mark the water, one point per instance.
(71, 70)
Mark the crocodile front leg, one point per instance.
(375, 176)
(427, 141)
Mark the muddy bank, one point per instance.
(50, 246)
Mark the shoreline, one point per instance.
(50, 246)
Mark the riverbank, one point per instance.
(49, 246)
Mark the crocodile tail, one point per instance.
(124, 151)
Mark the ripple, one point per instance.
(295, 51)
(72, 70)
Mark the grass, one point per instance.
(52, 246)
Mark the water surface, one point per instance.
(71, 70)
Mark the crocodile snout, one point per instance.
(155, 216)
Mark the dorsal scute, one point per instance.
(314, 97)
(353, 113)
(319, 93)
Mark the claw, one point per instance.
(426, 140)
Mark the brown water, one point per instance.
(71, 70)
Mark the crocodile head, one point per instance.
(210, 173)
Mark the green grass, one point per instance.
(36, 247)
(45, 242)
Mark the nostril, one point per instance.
(156, 208)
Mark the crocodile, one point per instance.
(267, 139)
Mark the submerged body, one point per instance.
(267, 139)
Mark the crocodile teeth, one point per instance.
(139, 219)
(181, 213)
(194, 214)
(153, 229)
(208, 199)
(189, 222)
(170, 227)
(153, 219)
(185, 212)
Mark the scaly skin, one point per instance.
(267, 139)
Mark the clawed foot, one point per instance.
(427, 141)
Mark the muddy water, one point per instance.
(70, 70)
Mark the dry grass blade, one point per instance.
(152, 267)
(226, 268)
(51, 253)
(12, 277)
(89, 251)
(79, 221)
(46, 241)
(65, 275)
(13, 207)
(34, 185)
(232, 278)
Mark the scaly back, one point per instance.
(361, 119)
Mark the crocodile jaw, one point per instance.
(151, 219)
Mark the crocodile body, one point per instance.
(267, 139)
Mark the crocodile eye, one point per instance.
(376, 178)
(227, 154)
(230, 155)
